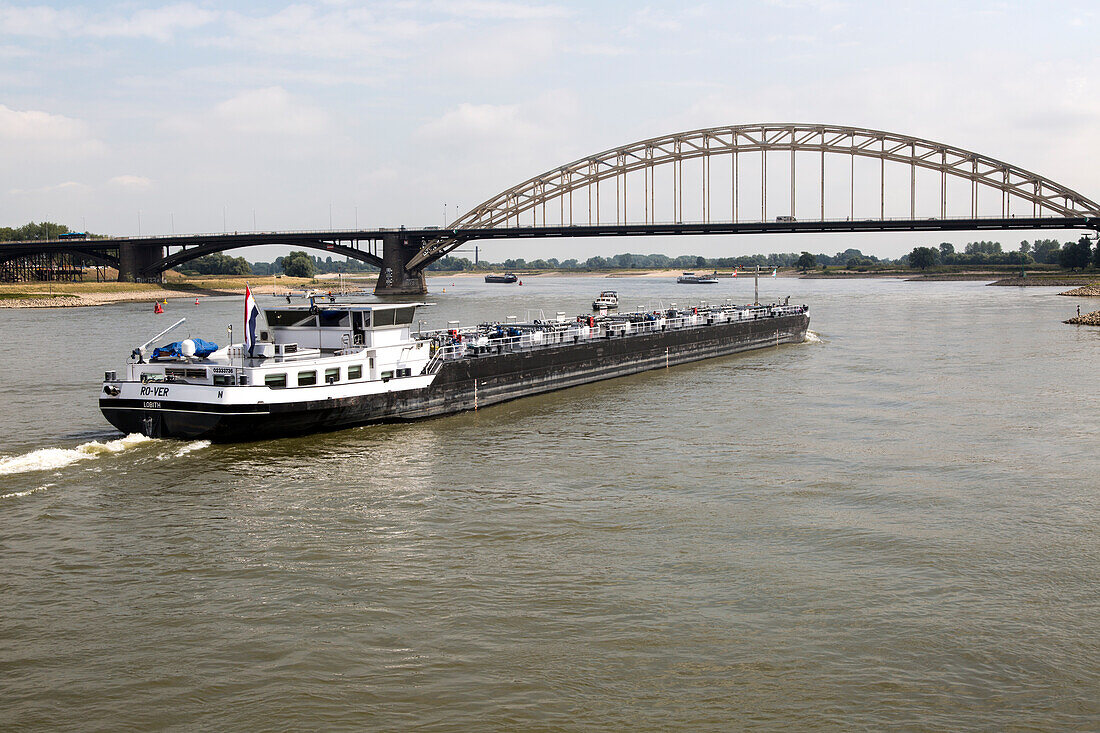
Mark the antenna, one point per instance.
(177, 323)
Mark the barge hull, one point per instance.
(459, 385)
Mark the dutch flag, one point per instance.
(251, 313)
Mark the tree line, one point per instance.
(302, 264)
(1070, 255)
(32, 231)
(630, 261)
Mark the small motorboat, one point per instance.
(690, 278)
(606, 300)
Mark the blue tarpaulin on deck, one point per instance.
(203, 349)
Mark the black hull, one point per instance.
(460, 385)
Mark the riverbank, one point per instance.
(85, 294)
(1062, 281)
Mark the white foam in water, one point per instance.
(812, 338)
(197, 445)
(28, 492)
(45, 459)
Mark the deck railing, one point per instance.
(556, 333)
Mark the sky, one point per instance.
(133, 117)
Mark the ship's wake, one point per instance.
(45, 459)
(28, 492)
(192, 446)
(811, 338)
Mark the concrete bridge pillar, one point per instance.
(394, 279)
(134, 258)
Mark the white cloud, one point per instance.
(132, 182)
(349, 33)
(476, 122)
(647, 19)
(159, 24)
(38, 126)
(486, 9)
(71, 186)
(270, 111)
(37, 20)
(24, 132)
(601, 49)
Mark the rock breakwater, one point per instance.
(1084, 291)
(1087, 319)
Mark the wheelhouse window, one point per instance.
(403, 316)
(305, 379)
(384, 317)
(286, 318)
(275, 380)
(334, 319)
(355, 371)
(332, 375)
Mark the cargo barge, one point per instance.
(326, 367)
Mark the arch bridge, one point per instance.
(728, 180)
(759, 178)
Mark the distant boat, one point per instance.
(690, 278)
(607, 299)
(507, 278)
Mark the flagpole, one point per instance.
(247, 315)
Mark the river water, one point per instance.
(894, 525)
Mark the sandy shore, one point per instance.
(77, 299)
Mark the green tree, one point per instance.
(1045, 251)
(922, 257)
(32, 231)
(218, 264)
(297, 264)
(946, 248)
(806, 261)
(1075, 254)
(1082, 255)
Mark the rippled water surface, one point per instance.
(892, 526)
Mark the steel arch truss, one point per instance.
(1047, 198)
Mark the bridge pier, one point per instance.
(393, 278)
(134, 259)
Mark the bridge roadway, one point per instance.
(146, 258)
